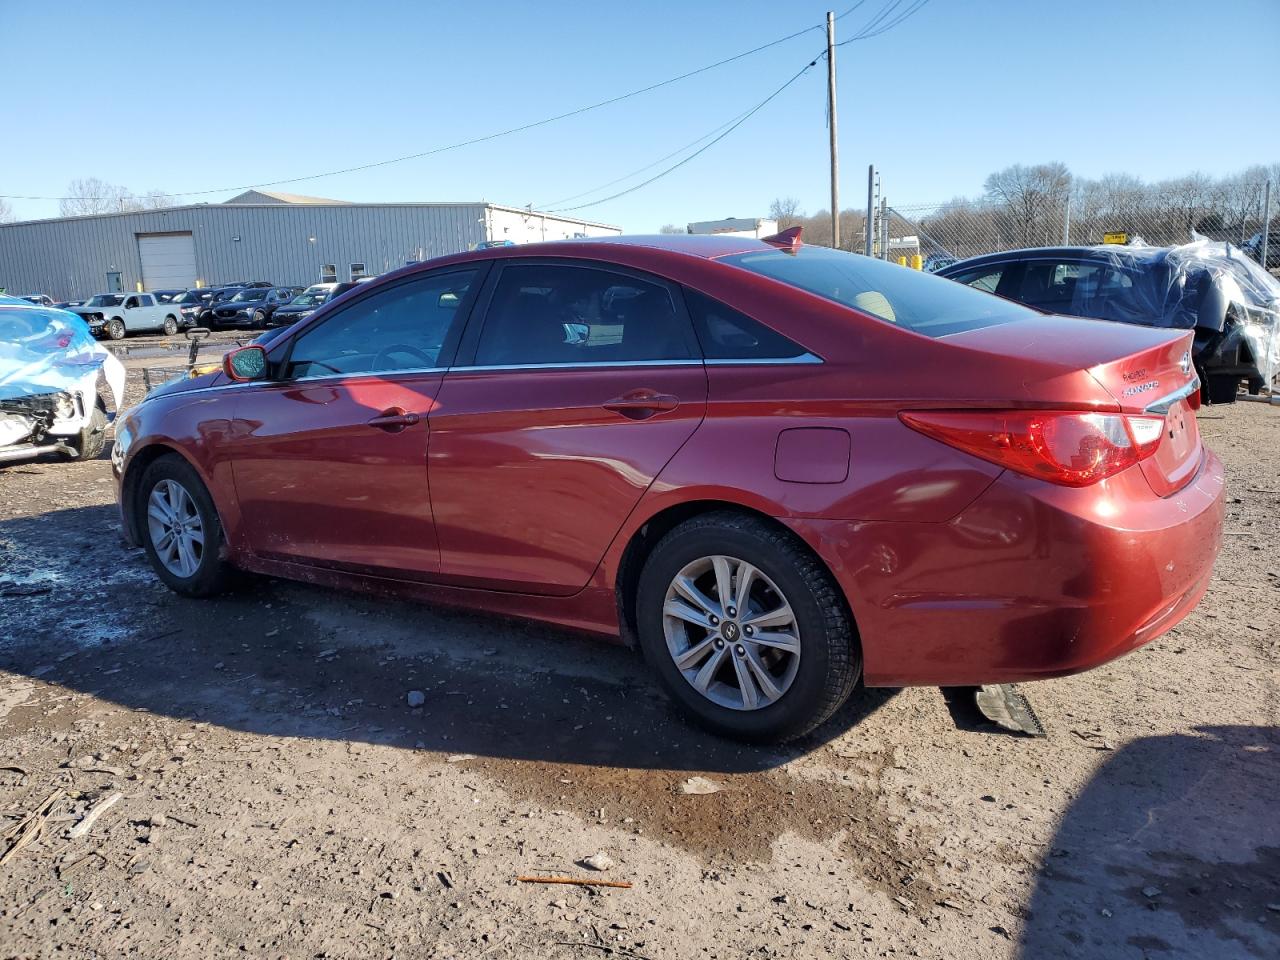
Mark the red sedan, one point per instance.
(775, 467)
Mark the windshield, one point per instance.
(311, 297)
(105, 300)
(920, 302)
(192, 296)
(246, 295)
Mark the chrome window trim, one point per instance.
(328, 376)
(363, 373)
(1165, 403)
(576, 365)
(803, 359)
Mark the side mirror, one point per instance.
(245, 364)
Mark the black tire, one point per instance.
(829, 662)
(93, 438)
(259, 319)
(170, 326)
(212, 575)
(115, 329)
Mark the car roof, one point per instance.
(1107, 252)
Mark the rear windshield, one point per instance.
(899, 295)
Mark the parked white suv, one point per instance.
(119, 314)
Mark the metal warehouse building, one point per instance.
(277, 237)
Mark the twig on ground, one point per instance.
(94, 812)
(30, 827)
(584, 882)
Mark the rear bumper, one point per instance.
(1028, 582)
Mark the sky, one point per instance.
(202, 96)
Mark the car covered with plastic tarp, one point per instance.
(50, 370)
(1214, 289)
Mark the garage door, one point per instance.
(168, 260)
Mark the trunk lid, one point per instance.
(1146, 370)
(1160, 381)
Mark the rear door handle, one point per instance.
(394, 420)
(642, 404)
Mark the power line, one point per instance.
(647, 166)
(878, 24)
(675, 166)
(474, 140)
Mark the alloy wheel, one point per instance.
(175, 527)
(731, 633)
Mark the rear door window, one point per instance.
(553, 314)
(728, 334)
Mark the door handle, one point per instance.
(394, 420)
(642, 404)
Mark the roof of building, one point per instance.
(271, 196)
(231, 206)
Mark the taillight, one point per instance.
(1070, 448)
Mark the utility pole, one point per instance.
(1266, 226)
(871, 205)
(831, 124)
(884, 228)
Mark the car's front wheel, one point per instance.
(180, 528)
(746, 628)
(115, 329)
(259, 319)
(93, 438)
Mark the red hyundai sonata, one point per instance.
(775, 467)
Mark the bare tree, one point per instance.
(786, 210)
(1033, 200)
(672, 228)
(90, 195)
(156, 200)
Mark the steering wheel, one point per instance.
(385, 353)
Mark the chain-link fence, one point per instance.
(941, 232)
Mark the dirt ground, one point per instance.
(279, 797)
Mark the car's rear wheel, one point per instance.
(170, 326)
(115, 329)
(746, 628)
(180, 529)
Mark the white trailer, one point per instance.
(736, 227)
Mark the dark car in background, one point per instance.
(166, 296)
(39, 299)
(1230, 303)
(217, 295)
(306, 303)
(251, 307)
(190, 302)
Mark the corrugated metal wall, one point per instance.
(280, 243)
